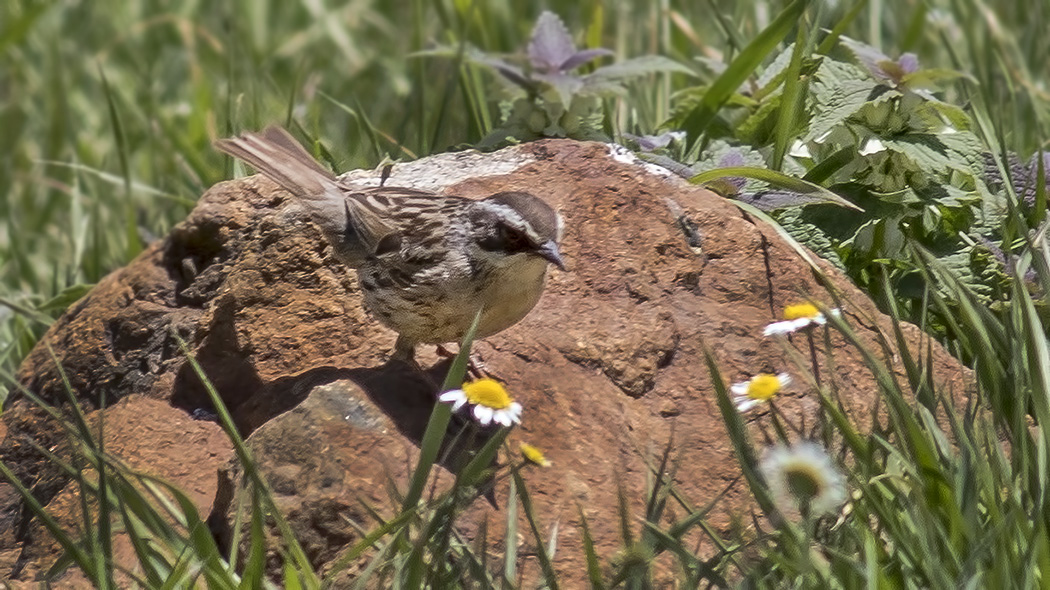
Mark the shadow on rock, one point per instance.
(323, 440)
(371, 398)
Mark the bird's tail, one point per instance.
(278, 156)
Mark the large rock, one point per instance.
(149, 435)
(606, 365)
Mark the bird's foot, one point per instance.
(405, 353)
(475, 366)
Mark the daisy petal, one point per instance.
(515, 412)
(804, 477)
(451, 395)
(483, 414)
(745, 404)
(779, 328)
(456, 397)
(786, 327)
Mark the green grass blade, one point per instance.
(738, 436)
(368, 541)
(430, 445)
(255, 566)
(510, 557)
(79, 556)
(815, 192)
(739, 70)
(840, 27)
(791, 116)
(251, 470)
(130, 230)
(550, 577)
(594, 568)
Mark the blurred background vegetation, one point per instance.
(108, 110)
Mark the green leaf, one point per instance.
(263, 498)
(564, 87)
(255, 565)
(370, 540)
(67, 297)
(831, 164)
(840, 103)
(71, 549)
(935, 115)
(933, 78)
(939, 153)
(510, 556)
(835, 34)
(809, 193)
(739, 70)
(739, 437)
(26, 311)
(594, 570)
(133, 244)
(758, 127)
(879, 238)
(549, 574)
(811, 236)
(773, 75)
(18, 26)
(791, 118)
(638, 66)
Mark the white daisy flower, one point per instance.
(798, 317)
(490, 400)
(758, 390)
(803, 477)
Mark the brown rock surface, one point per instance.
(609, 360)
(149, 436)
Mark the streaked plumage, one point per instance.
(426, 262)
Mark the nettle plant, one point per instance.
(554, 98)
(871, 130)
(908, 159)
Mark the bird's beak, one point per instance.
(549, 252)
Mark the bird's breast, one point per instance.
(439, 306)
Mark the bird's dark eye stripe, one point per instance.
(491, 243)
(507, 239)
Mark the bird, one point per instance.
(427, 263)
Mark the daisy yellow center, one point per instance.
(533, 455)
(804, 481)
(487, 392)
(802, 310)
(763, 387)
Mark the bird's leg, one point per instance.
(474, 365)
(404, 351)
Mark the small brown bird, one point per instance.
(427, 263)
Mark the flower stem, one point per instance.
(813, 356)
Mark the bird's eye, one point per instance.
(504, 239)
(513, 240)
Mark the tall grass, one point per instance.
(108, 110)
